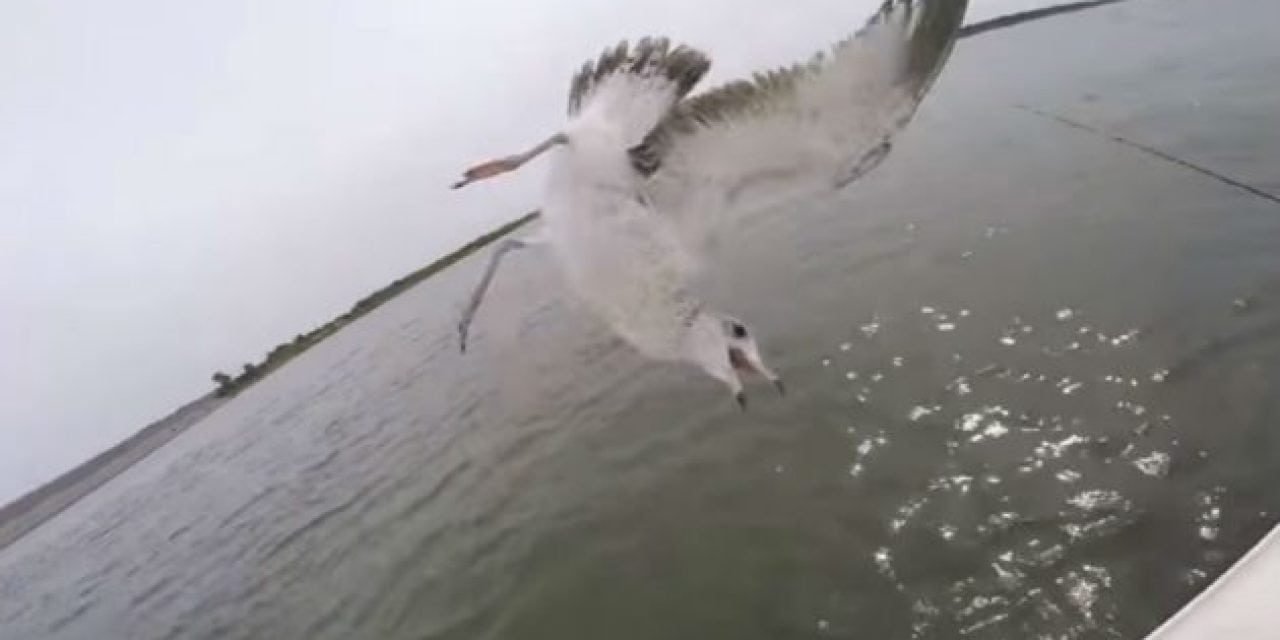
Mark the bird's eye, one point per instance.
(739, 331)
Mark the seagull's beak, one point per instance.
(738, 358)
(749, 361)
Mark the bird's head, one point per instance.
(725, 348)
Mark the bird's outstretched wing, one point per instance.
(632, 87)
(803, 130)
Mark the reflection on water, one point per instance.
(1030, 461)
(1035, 382)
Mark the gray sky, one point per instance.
(185, 185)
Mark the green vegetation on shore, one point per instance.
(31, 510)
(229, 385)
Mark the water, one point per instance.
(1035, 380)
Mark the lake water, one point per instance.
(1035, 387)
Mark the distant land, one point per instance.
(35, 508)
(229, 385)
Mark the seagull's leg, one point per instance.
(477, 296)
(510, 163)
(866, 163)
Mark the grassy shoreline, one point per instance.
(40, 505)
(229, 385)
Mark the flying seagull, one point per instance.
(642, 173)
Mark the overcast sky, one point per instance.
(184, 185)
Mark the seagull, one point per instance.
(643, 173)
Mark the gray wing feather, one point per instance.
(912, 40)
(650, 57)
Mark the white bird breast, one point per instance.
(627, 263)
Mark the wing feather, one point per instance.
(633, 87)
(801, 130)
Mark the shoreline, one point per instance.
(27, 513)
(45, 502)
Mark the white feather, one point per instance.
(628, 265)
(809, 138)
